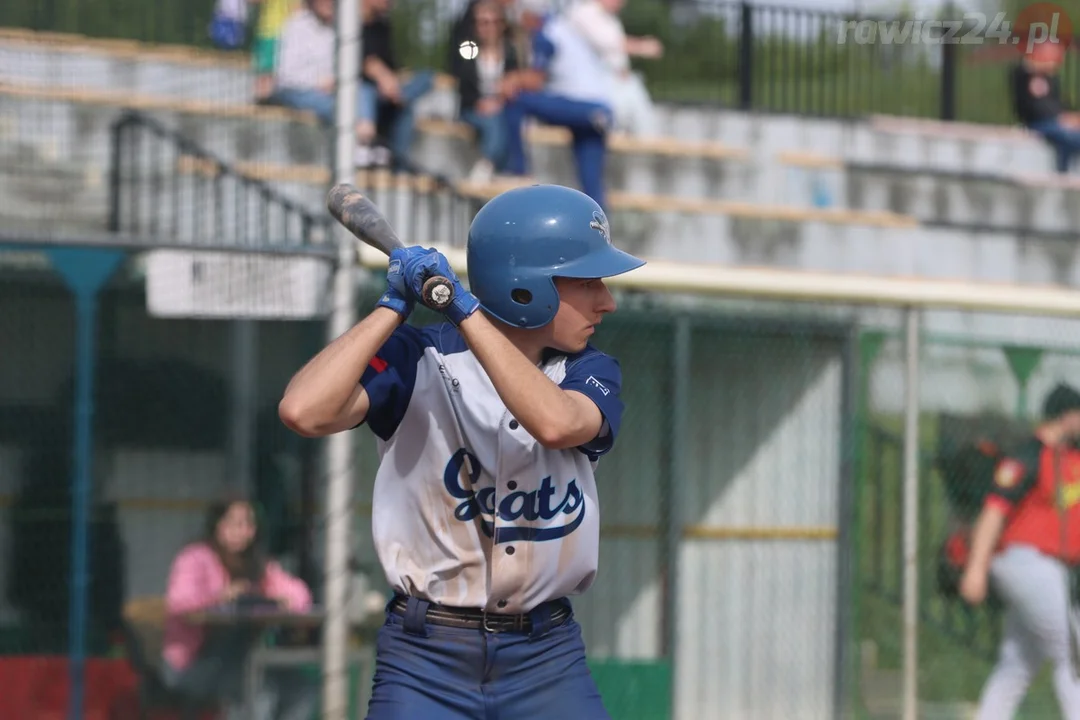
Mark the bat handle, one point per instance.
(437, 292)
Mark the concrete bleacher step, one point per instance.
(1039, 203)
(209, 78)
(224, 79)
(750, 234)
(992, 201)
(71, 61)
(48, 116)
(672, 224)
(658, 166)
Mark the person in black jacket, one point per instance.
(480, 63)
(386, 100)
(1036, 91)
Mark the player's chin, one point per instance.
(573, 345)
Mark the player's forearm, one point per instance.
(544, 409)
(325, 396)
(984, 537)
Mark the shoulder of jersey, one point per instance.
(1022, 459)
(589, 351)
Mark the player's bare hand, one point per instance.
(973, 586)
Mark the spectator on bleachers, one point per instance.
(393, 110)
(304, 78)
(565, 84)
(479, 66)
(598, 22)
(229, 24)
(272, 17)
(1036, 88)
(227, 568)
(464, 29)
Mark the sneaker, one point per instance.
(363, 157)
(482, 172)
(381, 156)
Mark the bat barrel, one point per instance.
(340, 196)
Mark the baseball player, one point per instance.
(489, 427)
(1026, 538)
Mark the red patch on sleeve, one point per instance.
(1009, 472)
(378, 364)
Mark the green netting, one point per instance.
(978, 399)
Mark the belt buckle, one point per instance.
(484, 623)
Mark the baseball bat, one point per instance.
(365, 221)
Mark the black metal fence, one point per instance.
(750, 56)
(882, 562)
(163, 185)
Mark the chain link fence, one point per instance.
(979, 397)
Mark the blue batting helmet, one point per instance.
(523, 238)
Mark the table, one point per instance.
(264, 657)
(261, 656)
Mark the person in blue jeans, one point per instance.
(566, 84)
(1036, 86)
(392, 109)
(304, 73)
(305, 79)
(480, 61)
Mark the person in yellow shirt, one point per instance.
(272, 16)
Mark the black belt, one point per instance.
(476, 619)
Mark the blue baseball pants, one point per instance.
(444, 673)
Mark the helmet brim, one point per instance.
(600, 265)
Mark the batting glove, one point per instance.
(397, 296)
(464, 303)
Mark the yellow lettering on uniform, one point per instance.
(1070, 495)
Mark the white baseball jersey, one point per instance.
(469, 510)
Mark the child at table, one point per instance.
(226, 565)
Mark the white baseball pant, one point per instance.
(1035, 590)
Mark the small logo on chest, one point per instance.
(547, 503)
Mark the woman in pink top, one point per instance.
(228, 564)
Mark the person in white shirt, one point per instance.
(598, 22)
(565, 84)
(304, 78)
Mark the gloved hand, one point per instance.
(420, 264)
(397, 296)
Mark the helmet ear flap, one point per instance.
(533, 304)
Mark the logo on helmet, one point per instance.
(600, 224)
